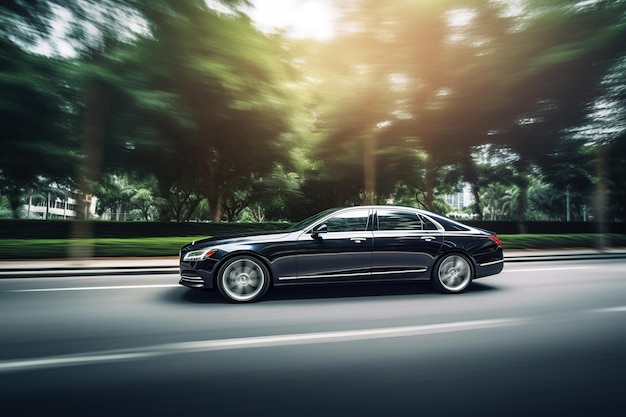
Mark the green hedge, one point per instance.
(556, 241)
(169, 246)
(62, 229)
(103, 247)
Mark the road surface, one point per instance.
(544, 338)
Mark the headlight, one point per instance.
(198, 255)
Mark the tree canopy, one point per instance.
(401, 105)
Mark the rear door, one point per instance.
(406, 244)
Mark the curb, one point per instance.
(85, 272)
(564, 257)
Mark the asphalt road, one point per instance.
(544, 338)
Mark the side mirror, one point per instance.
(318, 230)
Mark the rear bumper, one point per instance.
(489, 268)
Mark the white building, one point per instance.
(51, 206)
(460, 201)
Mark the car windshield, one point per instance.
(304, 224)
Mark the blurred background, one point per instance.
(181, 111)
(131, 127)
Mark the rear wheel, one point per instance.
(452, 274)
(243, 279)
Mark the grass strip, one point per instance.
(100, 247)
(562, 241)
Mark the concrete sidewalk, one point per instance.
(47, 268)
(531, 255)
(169, 265)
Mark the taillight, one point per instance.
(496, 239)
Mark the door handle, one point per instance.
(358, 239)
(428, 238)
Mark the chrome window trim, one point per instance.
(368, 227)
(352, 275)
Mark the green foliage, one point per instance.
(102, 247)
(228, 89)
(127, 198)
(36, 140)
(539, 241)
(233, 123)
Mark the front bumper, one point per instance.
(197, 274)
(191, 280)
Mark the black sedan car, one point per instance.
(371, 243)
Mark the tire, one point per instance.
(243, 279)
(452, 274)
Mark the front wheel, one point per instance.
(243, 279)
(452, 274)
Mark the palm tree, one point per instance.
(492, 199)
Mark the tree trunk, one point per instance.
(215, 205)
(214, 196)
(166, 212)
(472, 178)
(15, 201)
(429, 182)
(522, 203)
(599, 200)
(369, 167)
(93, 142)
(215, 189)
(478, 209)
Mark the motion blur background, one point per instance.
(129, 127)
(193, 110)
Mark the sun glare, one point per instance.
(300, 19)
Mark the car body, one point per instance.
(349, 244)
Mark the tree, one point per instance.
(226, 89)
(605, 130)
(37, 140)
(492, 198)
(567, 49)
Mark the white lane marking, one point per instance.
(249, 342)
(611, 310)
(565, 268)
(113, 287)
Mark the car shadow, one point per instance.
(330, 291)
(183, 295)
(325, 291)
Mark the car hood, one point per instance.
(242, 239)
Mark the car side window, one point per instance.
(428, 225)
(398, 220)
(348, 221)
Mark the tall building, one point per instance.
(461, 200)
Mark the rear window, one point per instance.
(450, 225)
(398, 220)
(428, 224)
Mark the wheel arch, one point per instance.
(234, 254)
(455, 251)
(436, 279)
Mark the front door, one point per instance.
(342, 251)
